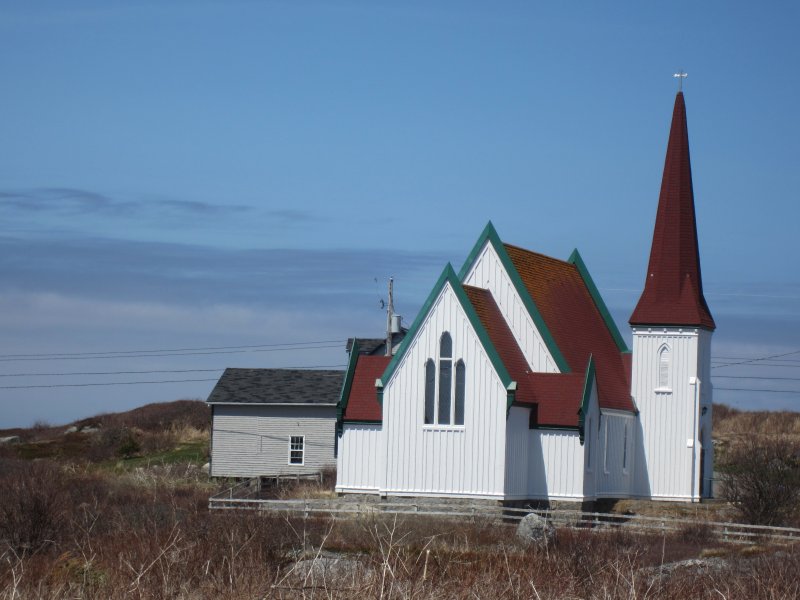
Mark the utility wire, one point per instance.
(62, 385)
(757, 390)
(754, 360)
(117, 356)
(167, 349)
(150, 372)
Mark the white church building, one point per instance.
(514, 383)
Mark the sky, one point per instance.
(192, 185)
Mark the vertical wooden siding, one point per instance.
(489, 273)
(611, 479)
(664, 463)
(254, 440)
(556, 464)
(463, 460)
(360, 461)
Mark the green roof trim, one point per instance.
(490, 234)
(448, 276)
(341, 406)
(587, 395)
(575, 259)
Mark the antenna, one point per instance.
(680, 76)
(389, 313)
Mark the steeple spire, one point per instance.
(673, 290)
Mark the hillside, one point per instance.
(166, 431)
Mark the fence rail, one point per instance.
(244, 496)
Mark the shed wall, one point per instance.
(249, 441)
(360, 461)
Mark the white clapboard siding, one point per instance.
(613, 479)
(556, 470)
(253, 440)
(668, 458)
(359, 463)
(488, 273)
(444, 460)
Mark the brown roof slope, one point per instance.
(558, 395)
(673, 289)
(578, 328)
(362, 404)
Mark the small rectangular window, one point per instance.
(296, 448)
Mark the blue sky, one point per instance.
(203, 174)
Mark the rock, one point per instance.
(206, 468)
(11, 439)
(89, 429)
(72, 429)
(535, 530)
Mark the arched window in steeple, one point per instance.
(664, 363)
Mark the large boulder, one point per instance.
(534, 530)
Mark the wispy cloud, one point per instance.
(77, 202)
(194, 275)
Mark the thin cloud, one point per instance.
(194, 275)
(75, 201)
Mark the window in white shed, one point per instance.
(296, 447)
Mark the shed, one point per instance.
(268, 422)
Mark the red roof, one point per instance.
(575, 322)
(673, 289)
(362, 404)
(558, 395)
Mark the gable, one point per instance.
(489, 266)
(448, 281)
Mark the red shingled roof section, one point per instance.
(362, 405)
(578, 328)
(673, 289)
(558, 395)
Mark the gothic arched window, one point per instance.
(663, 367)
(445, 405)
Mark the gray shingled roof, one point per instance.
(278, 386)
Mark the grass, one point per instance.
(194, 452)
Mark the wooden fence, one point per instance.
(244, 495)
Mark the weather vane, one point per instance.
(680, 76)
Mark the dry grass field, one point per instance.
(100, 515)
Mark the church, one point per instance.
(514, 383)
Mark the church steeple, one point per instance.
(673, 290)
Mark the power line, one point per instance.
(117, 356)
(110, 383)
(757, 390)
(752, 377)
(167, 349)
(109, 373)
(759, 359)
(62, 385)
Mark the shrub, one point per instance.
(32, 504)
(761, 479)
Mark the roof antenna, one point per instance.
(389, 315)
(680, 76)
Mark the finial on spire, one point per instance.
(680, 76)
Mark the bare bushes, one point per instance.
(761, 479)
(32, 504)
